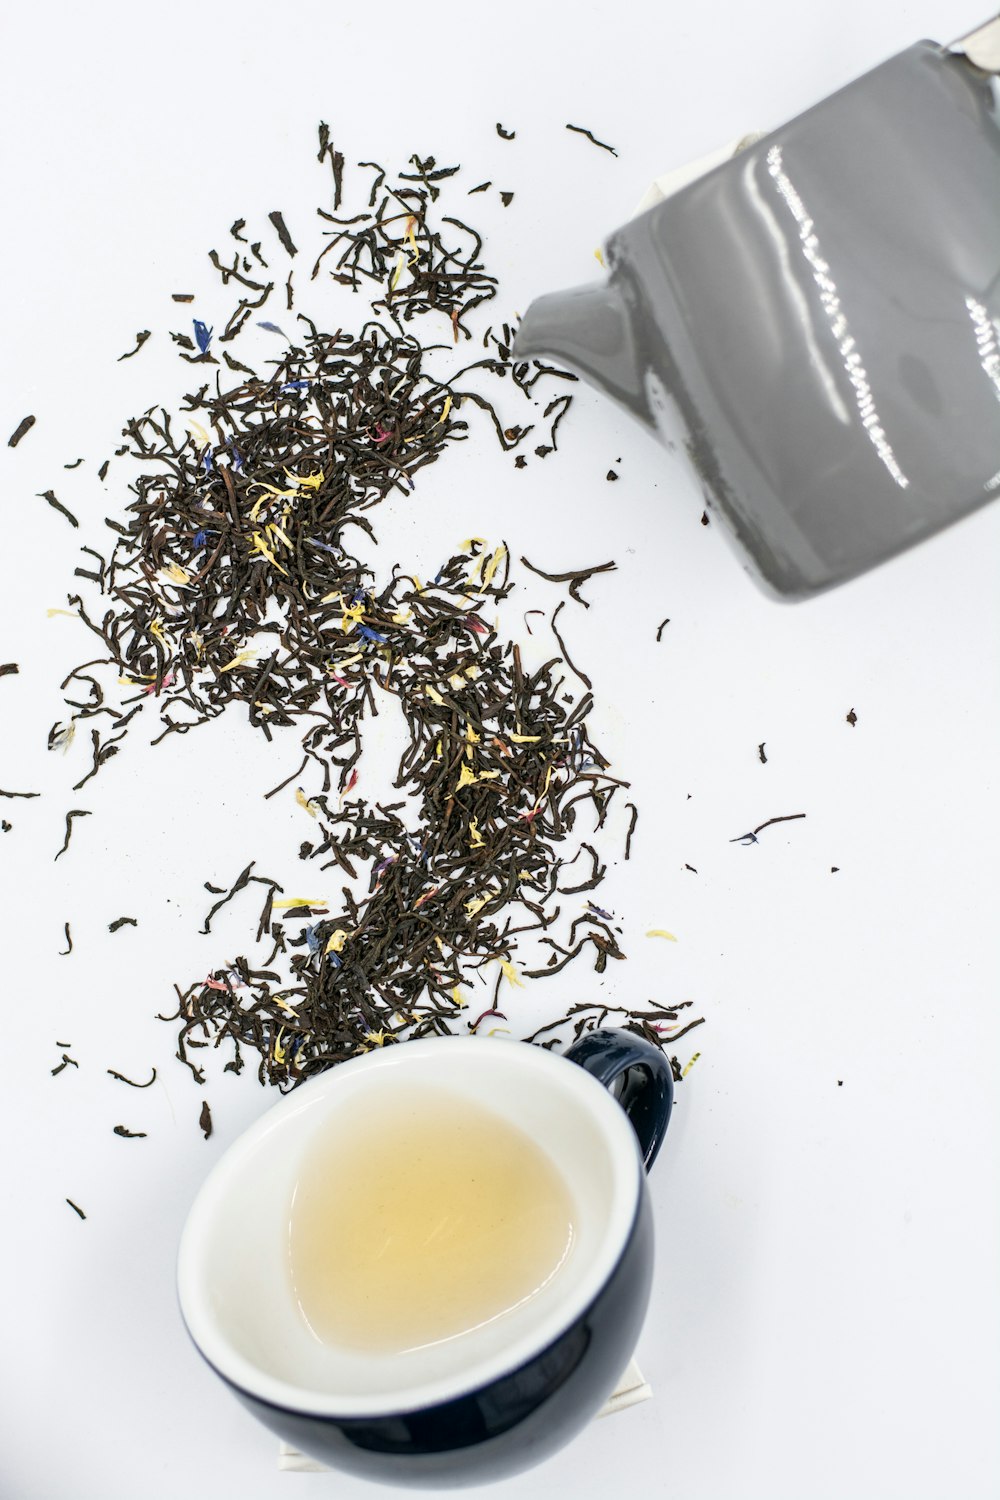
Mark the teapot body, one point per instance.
(817, 322)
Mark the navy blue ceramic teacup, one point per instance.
(508, 1393)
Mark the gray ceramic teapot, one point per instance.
(817, 320)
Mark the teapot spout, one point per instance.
(587, 329)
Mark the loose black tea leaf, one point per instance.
(133, 1085)
(205, 1119)
(582, 130)
(64, 952)
(562, 644)
(611, 475)
(122, 922)
(25, 425)
(760, 752)
(691, 868)
(19, 794)
(9, 669)
(76, 812)
(5, 826)
(102, 472)
(130, 1135)
(631, 828)
(282, 231)
(67, 1062)
(76, 1208)
(506, 199)
(240, 883)
(74, 465)
(834, 869)
(575, 577)
(336, 159)
(183, 296)
(505, 135)
(704, 518)
(661, 628)
(751, 838)
(852, 718)
(140, 339)
(482, 188)
(49, 496)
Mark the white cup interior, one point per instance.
(235, 1288)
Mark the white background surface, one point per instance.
(825, 1315)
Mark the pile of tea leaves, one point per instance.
(232, 581)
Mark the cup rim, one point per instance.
(196, 1237)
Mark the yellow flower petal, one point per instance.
(336, 942)
(240, 660)
(259, 545)
(511, 974)
(305, 802)
(661, 932)
(476, 840)
(294, 901)
(306, 481)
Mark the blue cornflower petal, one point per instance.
(203, 336)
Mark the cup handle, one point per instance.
(647, 1093)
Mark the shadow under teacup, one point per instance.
(499, 1390)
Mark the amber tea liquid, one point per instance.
(420, 1216)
